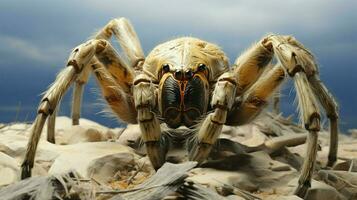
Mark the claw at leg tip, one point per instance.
(302, 190)
(155, 154)
(25, 172)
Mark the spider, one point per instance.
(189, 82)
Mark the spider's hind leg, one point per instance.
(252, 102)
(300, 65)
(311, 118)
(117, 69)
(79, 58)
(80, 80)
(124, 32)
(116, 88)
(47, 107)
(78, 88)
(330, 105)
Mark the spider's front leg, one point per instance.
(222, 101)
(144, 93)
(90, 54)
(79, 58)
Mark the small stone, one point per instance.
(281, 168)
(104, 168)
(130, 135)
(234, 197)
(9, 170)
(353, 133)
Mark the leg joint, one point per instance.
(294, 70)
(45, 107)
(224, 93)
(314, 122)
(256, 101)
(82, 54)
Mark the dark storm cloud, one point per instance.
(36, 36)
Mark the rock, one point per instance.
(15, 129)
(79, 156)
(344, 182)
(130, 135)
(318, 190)
(13, 145)
(353, 133)
(234, 197)
(9, 170)
(289, 197)
(251, 173)
(281, 168)
(86, 131)
(245, 162)
(105, 168)
(81, 133)
(349, 165)
(257, 138)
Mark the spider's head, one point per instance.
(185, 69)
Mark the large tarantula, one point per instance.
(187, 79)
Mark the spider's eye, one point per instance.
(202, 68)
(165, 68)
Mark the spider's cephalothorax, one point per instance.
(186, 80)
(185, 68)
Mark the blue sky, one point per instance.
(36, 37)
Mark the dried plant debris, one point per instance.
(65, 186)
(260, 160)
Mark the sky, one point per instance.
(36, 38)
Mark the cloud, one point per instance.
(229, 15)
(41, 33)
(230, 23)
(17, 108)
(25, 50)
(22, 48)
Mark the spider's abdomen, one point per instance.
(183, 101)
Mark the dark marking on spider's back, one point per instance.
(125, 71)
(113, 98)
(264, 59)
(105, 60)
(97, 74)
(256, 101)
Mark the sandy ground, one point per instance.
(255, 168)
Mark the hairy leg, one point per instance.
(79, 58)
(311, 118)
(51, 125)
(46, 108)
(122, 29)
(211, 127)
(299, 63)
(81, 80)
(145, 95)
(125, 34)
(249, 66)
(120, 100)
(331, 108)
(255, 98)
